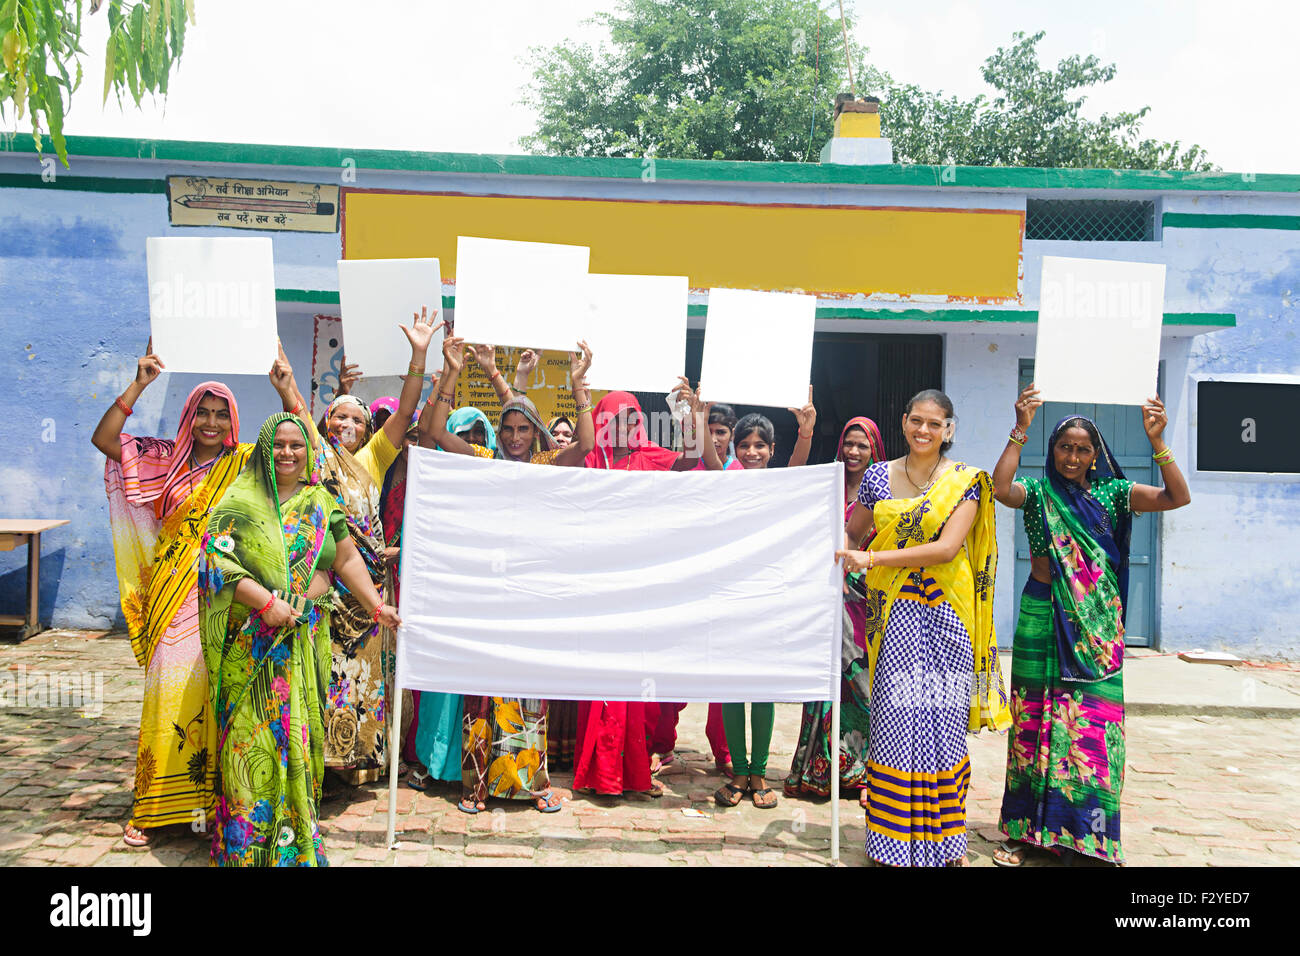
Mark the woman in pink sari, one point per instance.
(613, 753)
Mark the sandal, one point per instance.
(656, 790)
(1009, 852)
(548, 802)
(471, 806)
(729, 795)
(134, 836)
(962, 860)
(419, 780)
(756, 795)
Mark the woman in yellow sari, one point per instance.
(160, 493)
(926, 581)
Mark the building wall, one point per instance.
(74, 316)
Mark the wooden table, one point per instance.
(13, 531)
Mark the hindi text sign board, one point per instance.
(758, 348)
(1099, 330)
(212, 304)
(636, 327)
(528, 294)
(376, 297)
(271, 205)
(588, 584)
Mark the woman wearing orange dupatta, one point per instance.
(613, 754)
(926, 582)
(160, 492)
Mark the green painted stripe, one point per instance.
(1194, 220)
(699, 310)
(975, 177)
(90, 184)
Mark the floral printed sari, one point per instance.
(1065, 760)
(268, 683)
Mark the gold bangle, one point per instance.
(871, 561)
(585, 409)
(415, 370)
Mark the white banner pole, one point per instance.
(394, 748)
(835, 780)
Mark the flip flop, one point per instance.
(551, 807)
(141, 840)
(419, 781)
(471, 809)
(729, 795)
(1006, 847)
(754, 797)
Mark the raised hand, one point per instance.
(1027, 404)
(486, 356)
(453, 355)
(349, 375)
(806, 417)
(579, 365)
(281, 371)
(420, 332)
(528, 360)
(1154, 419)
(149, 367)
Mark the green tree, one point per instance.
(696, 79)
(41, 45)
(1034, 120)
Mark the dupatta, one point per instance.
(156, 552)
(543, 440)
(251, 534)
(1089, 563)
(645, 455)
(967, 585)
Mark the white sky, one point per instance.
(447, 76)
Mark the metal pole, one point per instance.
(835, 780)
(394, 747)
(33, 585)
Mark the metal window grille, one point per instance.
(1091, 220)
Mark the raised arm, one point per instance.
(419, 334)
(699, 446)
(107, 436)
(433, 420)
(923, 555)
(806, 418)
(584, 439)
(1145, 499)
(1005, 489)
(486, 356)
(291, 399)
(527, 362)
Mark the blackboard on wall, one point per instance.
(1248, 427)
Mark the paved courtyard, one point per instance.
(1201, 790)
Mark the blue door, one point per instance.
(1122, 427)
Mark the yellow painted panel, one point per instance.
(960, 254)
(858, 125)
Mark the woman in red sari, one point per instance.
(613, 753)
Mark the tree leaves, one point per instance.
(144, 45)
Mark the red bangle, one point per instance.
(268, 606)
(806, 437)
(126, 409)
(379, 607)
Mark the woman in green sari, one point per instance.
(264, 623)
(1065, 761)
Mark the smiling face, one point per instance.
(855, 451)
(753, 452)
(476, 434)
(563, 434)
(926, 428)
(1074, 454)
(347, 423)
(516, 435)
(211, 424)
(289, 453)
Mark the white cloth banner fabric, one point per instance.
(581, 584)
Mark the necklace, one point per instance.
(929, 479)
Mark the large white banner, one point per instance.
(582, 584)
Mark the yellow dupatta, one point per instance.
(967, 580)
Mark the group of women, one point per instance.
(259, 586)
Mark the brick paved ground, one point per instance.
(1200, 791)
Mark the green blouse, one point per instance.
(1111, 493)
(338, 531)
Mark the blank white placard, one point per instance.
(636, 327)
(1099, 330)
(758, 348)
(529, 294)
(212, 304)
(376, 296)
(589, 584)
